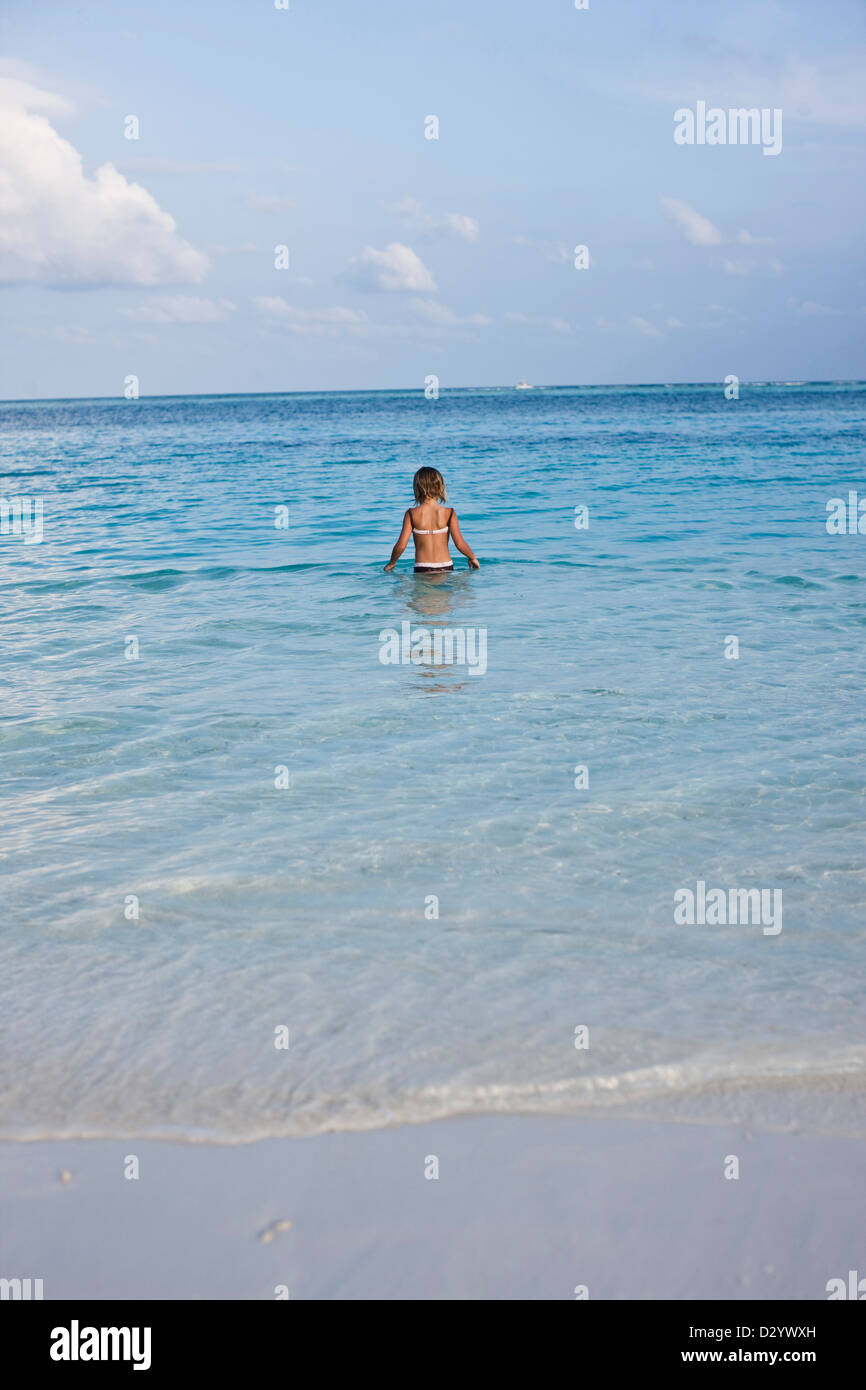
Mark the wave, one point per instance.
(804, 1095)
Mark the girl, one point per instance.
(430, 525)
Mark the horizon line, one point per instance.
(407, 390)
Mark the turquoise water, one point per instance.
(309, 906)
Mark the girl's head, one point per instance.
(428, 484)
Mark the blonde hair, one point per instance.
(427, 483)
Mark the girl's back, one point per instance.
(430, 524)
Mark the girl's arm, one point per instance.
(402, 542)
(454, 529)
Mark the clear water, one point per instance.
(305, 907)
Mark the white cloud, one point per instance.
(20, 93)
(181, 308)
(644, 326)
(411, 213)
(556, 325)
(267, 202)
(634, 321)
(833, 93)
(810, 308)
(733, 266)
(434, 312)
(554, 251)
(395, 268)
(280, 307)
(148, 165)
(746, 239)
(246, 248)
(61, 228)
(78, 335)
(699, 230)
(461, 225)
(674, 323)
(311, 322)
(409, 209)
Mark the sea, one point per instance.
(282, 854)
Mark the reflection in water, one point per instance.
(437, 596)
(438, 602)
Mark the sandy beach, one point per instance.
(523, 1208)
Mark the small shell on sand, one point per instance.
(267, 1235)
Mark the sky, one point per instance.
(306, 128)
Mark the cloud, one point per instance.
(411, 213)
(16, 92)
(434, 312)
(148, 165)
(60, 228)
(833, 93)
(311, 322)
(554, 251)
(181, 308)
(737, 267)
(674, 323)
(810, 308)
(644, 326)
(267, 202)
(76, 334)
(556, 325)
(634, 321)
(395, 268)
(746, 239)
(461, 226)
(246, 248)
(699, 230)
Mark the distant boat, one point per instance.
(524, 386)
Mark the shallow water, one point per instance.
(307, 907)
